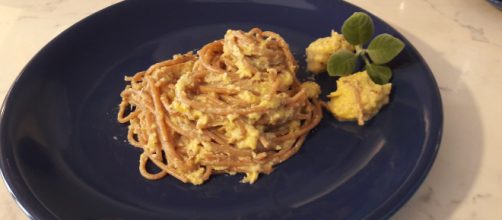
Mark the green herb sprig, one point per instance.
(358, 30)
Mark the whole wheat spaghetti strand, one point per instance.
(142, 169)
(165, 137)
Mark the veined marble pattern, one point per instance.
(460, 40)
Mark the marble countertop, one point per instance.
(460, 40)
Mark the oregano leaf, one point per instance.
(380, 74)
(358, 28)
(341, 63)
(383, 48)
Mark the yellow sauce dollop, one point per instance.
(319, 51)
(358, 98)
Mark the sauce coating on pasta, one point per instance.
(234, 107)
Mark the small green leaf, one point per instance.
(341, 63)
(383, 48)
(358, 28)
(378, 73)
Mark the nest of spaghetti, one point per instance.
(234, 107)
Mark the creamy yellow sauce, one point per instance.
(319, 51)
(357, 98)
(235, 106)
(247, 136)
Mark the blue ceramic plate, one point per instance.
(63, 154)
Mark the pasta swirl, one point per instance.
(234, 107)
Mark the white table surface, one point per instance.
(461, 40)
